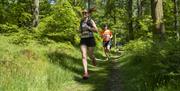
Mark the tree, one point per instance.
(157, 16)
(36, 13)
(130, 23)
(139, 6)
(176, 22)
(88, 3)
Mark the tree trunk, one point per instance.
(157, 16)
(139, 14)
(115, 39)
(176, 22)
(36, 13)
(75, 2)
(130, 23)
(139, 5)
(87, 3)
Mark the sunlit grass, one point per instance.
(46, 67)
(37, 67)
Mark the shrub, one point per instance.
(61, 25)
(8, 28)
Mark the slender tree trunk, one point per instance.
(88, 4)
(130, 23)
(139, 5)
(103, 1)
(114, 17)
(115, 39)
(75, 2)
(36, 13)
(2, 20)
(176, 22)
(139, 14)
(157, 16)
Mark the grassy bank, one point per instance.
(48, 66)
(146, 66)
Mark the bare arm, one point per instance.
(91, 25)
(111, 36)
(94, 28)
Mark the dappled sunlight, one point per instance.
(40, 45)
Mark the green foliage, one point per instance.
(45, 8)
(37, 60)
(76, 3)
(169, 17)
(8, 28)
(16, 12)
(62, 25)
(25, 19)
(138, 47)
(152, 66)
(22, 38)
(143, 27)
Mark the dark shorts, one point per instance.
(89, 42)
(106, 43)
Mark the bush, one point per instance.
(61, 25)
(8, 28)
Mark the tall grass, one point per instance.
(37, 67)
(148, 66)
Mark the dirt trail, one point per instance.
(114, 80)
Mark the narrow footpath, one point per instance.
(114, 82)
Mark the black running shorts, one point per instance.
(89, 42)
(106, 43)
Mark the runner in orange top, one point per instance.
(106, 35)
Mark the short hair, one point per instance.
(105, 25)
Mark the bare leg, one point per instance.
(84, 59)
(106, 52)
(91, 54)
(108, 49)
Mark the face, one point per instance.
(85, 14)
(105, 28)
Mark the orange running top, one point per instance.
(106, 35)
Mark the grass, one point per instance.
(134, 76)
(55, 66)
(145, 69)
(46, 67)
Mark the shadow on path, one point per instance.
(103, 77)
